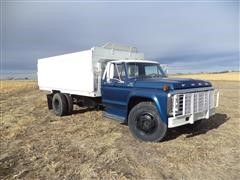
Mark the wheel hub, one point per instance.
(146, 123)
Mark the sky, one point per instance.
(188, 36)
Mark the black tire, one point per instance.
(59, 104)
(145, 124)
(49, 101)
(69, 103)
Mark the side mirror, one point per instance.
(164, 68)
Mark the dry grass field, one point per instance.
(9, 86)
(35, 144)
(229, 76)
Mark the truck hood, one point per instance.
(173, 83)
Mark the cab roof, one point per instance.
(134, 61)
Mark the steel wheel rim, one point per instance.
(146, 123)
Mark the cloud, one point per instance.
(171, 32)
(205, 63)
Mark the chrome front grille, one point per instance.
(190, 103)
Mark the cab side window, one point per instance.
(121, 71)
(117, 72)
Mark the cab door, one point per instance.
(115, 91)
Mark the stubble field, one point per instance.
(228, 76)
(35, 144)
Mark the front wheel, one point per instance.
(145, 124)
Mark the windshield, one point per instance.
(144, 70)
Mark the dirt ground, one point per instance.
(35, 144)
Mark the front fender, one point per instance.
(158, 97)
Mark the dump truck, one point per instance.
(128, 88)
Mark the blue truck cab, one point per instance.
(139, 93)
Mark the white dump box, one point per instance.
(80, 73)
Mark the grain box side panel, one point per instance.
(70, 73)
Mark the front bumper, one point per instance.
(192, 106)
(189, 119)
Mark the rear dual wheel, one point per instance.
(62, 104)
(69, 103)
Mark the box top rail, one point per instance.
(120, 47)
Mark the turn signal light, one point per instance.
(165, 88)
